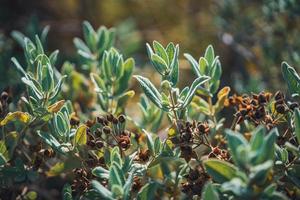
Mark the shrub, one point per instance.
(95, 150)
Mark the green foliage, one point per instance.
(100, 150)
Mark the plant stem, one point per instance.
(173, 107)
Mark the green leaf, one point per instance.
(235, 140)
(79, 44)
(297, 124)
(67, 192)
(209, 192)
(128, 185)
(81, 135)
(292, 78)
(117, 191)
(115, 156)
(197, 82)
(101, 172)
(57, 88)
(220, 171)
(149, 90)
(174, 74)
(160, 51)
(259, 173)
(257, 138)
(159, 64)
(147, 192)
(98, 82)
(123, 82)
(209, 54)
(89, 35)
(267, 149)
(203, 66)
(150, 143)
(114, 176)
(39, 45)
(193, 63)
(53, 57)
(102, 191)
(170, 51)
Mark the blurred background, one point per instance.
(252, 38)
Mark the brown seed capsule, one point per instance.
(74, 121)
(106, 129)
(100, 120)
(262, 98)
(91, 143)
(99, 144)
(115, 120)
(194, 175)
(216, 150)
(49, 153)
(254, 102)
(122, 118)
(186, 136)
(280, 108)
(90, 123)
(243, 112)
(98, 132)
(109, 117)
(293, 105)
(4, 96)
(144, 155)
(279, 95)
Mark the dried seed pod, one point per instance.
(106, 129)
(279, 96)
(216, 150)
(74, 121)
(90, 123)
(193, 175)
(98, 132)
(293, 105)
(109, 117)
(280, 108)
(186, 136)
(99, 144)
(262, 98)
(4, 96)
(91, 143)
(101, 120)
(49, 153)
(122, 118)
(115, 120)
(144, 155)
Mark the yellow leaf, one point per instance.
(21, 116)
(80, 135)
(171, 132)
(57, 169)
(222, 96)
(56, 106)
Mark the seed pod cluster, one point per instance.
(94, 141)
(143, 155)
(255, 109)
(4, 102)
(81, 181)
(137, 184)
(190, 132)
(196, 179)
(218, 153)
(115, 126)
